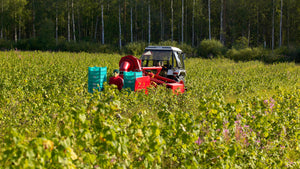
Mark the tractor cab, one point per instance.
(170, 59)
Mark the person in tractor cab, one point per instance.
(116, 79)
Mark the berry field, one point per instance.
(234, 114)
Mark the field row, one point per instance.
(241, 115)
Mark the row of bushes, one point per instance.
(239, 52)
(207, 49)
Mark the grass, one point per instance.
(47, 113)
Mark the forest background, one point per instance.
(237, 29)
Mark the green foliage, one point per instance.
(4, 44)
(211, 48)
(135, 48)
(168, 43)
(234, 115)
(46, 34)
(245, 54)
(240, 43)
(187, 49)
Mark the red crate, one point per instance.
(176, 87)
(142, 83)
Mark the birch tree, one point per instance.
(149, 23)
(73, 22)
(221, 23)
(2, 18)
(161, 20)
(209, 27)
(182, 20)
(69, 28)
(131, 22)
(193, 24)
(280, 29)
(120, 32)
(102, 21)
(56, 22)
(273, 24)
(172, 21)
(20, 27)
(96, 25)
(33, 19)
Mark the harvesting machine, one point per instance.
(160, 65)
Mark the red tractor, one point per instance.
(160, 65)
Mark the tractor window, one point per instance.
(178, 61)
(156, 55)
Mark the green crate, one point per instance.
(129, 79)
(96, 77)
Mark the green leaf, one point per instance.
(82, 117)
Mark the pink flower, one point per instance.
(226, 134)
(199, 141)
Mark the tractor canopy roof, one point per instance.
(163, 48)
(159, 52)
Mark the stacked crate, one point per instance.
(129, 79)
(97, 76)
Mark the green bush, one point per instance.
(187, 49)
(292, 53)
(82, 46)
(240, 43)
(245, 54)
(135, 48)
(168, 43)
(272, 57)
(211, 48)
(5, 44)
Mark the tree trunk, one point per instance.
(288, 25)
(149, 26)
(33, 20)
(163, 20)
(249, 32)
(56, 23)
(120, 33)
(69, 29)
(172, 30)
(16, 34)
(96, 26)
(280, 31)
(273, 24)
(1, 36)
(136, 24)
(221, 23)
(73, 22)
(193, 25)
(20, 28)
(131, 28)
(224, 22)
(257, 24)
(78, 24)
(124, 23)
(160, 18)
(142, 21)
(102, 24)
(209, 28)
(182, 20)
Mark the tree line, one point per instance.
(269, 24)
